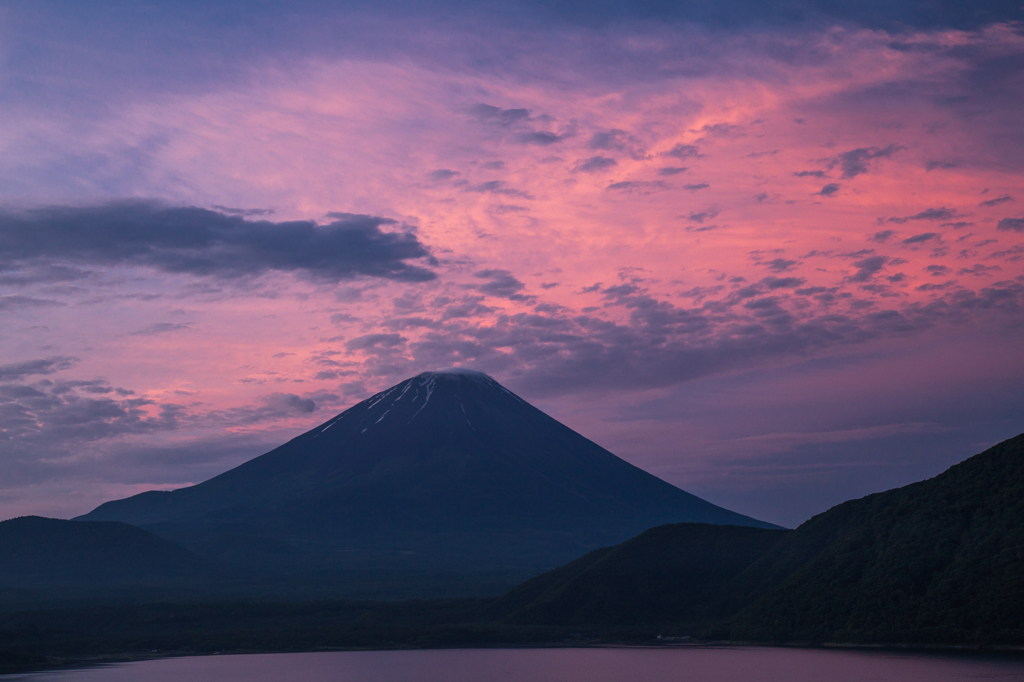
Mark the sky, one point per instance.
(771, 253)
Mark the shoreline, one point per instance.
(58, 663)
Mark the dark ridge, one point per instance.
(52, 559)
(670, 574)
(936, 562)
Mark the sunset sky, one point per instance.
(773, 256)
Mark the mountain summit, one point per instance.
(445, 483)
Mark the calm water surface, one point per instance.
(713, 664)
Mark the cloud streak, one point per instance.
(201, 242)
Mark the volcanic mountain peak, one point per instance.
(449, 468)
(453, 394)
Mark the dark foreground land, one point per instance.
(936, 563)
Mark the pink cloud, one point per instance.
(592, 232)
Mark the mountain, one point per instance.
(677, 573)
(446, 483)
(54, 559)
(938, 562)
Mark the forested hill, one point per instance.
(678, 573)
(52, 560)
(937, 561)
(940, 561)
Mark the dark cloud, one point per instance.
(783, 282)
(720, 130)
(159, 328)
(933, 287)
(13, 301)
(868, 268)
(36, 273)
(684, 151)
(696, 186)
(467, 307)
(269, 408)
(408, 302)
(594, 164)
(672, 170)
(637, 186)
(48, 413)
(1014, 253)
(369, 341)
(932, 165)
(942, 213)
(829, 190)
(979, 270)
(498, 187)
(504, 209)
(403, 323)
(540, 137)
(812, 291)
(504, 117)
(856, 161)
(923, 237)
(883, 236)
(503, 284)
(245, 212)
(443, 174)
(779, 264)
(810, 174)
(1014, 224)
(290, 403)
(703, 215)
(995, 202)
(202, 242)
(662, 344)
(20, 370)
(614, 139)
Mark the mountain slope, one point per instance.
(54, 558)
(677, 573)
(939, 561)
(446, 473)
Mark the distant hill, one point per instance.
(940, 561)
(670, 574)
(51, 559)
(444, 484)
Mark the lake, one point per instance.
(677, 664)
